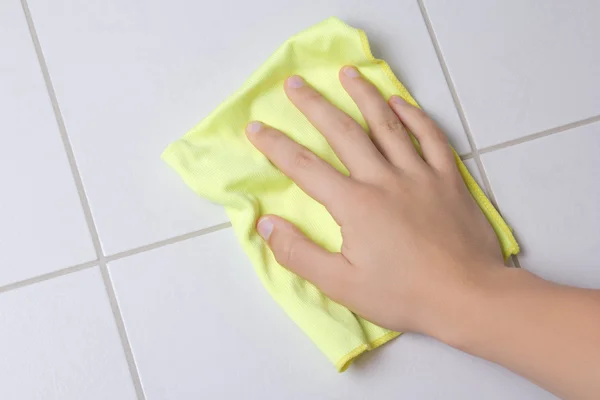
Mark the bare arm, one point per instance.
(545, 332)
(418, 255)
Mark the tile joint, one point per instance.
(113, 257)
(48, 276)
(540, 134)
(475, 154)
(84, 203)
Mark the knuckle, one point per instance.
(288, 252)
(304, 158)
(347, 124)
(391, 126)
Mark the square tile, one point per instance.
(198, 320)
(520, 67)
(133, 76)
(548, 192)
(42, 225)
(201, 326)
(59, 341)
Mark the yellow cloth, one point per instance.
(217, 162)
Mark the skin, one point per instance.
(414, 237)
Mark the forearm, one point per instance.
(545, 332)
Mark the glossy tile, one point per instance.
(520, 67)
(202, 326)
(42, 225)
(133, 76)
(59, 341)
(547, 191)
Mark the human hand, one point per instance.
(414, 240)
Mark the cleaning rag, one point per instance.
(216, 160)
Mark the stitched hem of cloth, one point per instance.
(504, 232)
(345, 361)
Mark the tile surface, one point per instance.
(198, 320)
(131, 76)
(519, 67)
(548, 192)
(42, 226)
(58, 340)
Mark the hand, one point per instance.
(414, 240)
(418, 254)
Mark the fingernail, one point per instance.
(351, 72)
(295, 82)
(265, 228)
(397, 100)
(254, 127)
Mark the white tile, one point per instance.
(42, 226)
(133, 76)
(199, 320)
(201, 326)
(418, 367)
(548, 190)
(59, 341)
(520, 67)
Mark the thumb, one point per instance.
(330, 272)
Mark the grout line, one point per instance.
(114, 257)
(48, 276)
(166, 242)
(84, 204)
(475, 153)
(63, 133)
(540, 134)
(467, 156)
(114, 305)
(516, 261)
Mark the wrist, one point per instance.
(466, 315)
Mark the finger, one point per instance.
(387, 132)
(347, 138)
(313, 175)
(434, 143)
(330, 272)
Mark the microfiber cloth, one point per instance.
(216, 160)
